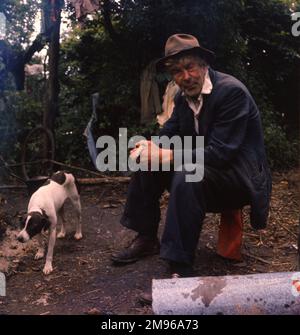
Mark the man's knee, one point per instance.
(180, 183)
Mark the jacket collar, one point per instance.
(212, 76)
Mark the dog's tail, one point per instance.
(70, 178)
(65, 178)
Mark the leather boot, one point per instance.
(140, 247)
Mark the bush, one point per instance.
(282, 151)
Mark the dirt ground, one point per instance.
(84, 280)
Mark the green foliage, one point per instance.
(19, 114)
(283, 153)
(20, 16)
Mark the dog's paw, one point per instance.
(61, 234)
(78, 236)
(47, 269)
(39, 254)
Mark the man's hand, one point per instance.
(149, 152)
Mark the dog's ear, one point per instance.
(46, 223)
(45, 220)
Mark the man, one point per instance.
(220, 108)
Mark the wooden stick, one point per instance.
(257, 258)
(42, 161)
(82, 181)
(3, 187)
(287, 229)
(106, 180)
(77, 168)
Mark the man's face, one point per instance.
(189, 74)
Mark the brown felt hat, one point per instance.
(180, 43)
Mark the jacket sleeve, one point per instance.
(229, 128)
(171, 127)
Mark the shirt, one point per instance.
(196, 107)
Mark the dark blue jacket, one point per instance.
(231, 125)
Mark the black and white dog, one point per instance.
(45, 208)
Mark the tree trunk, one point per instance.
(51, 109)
